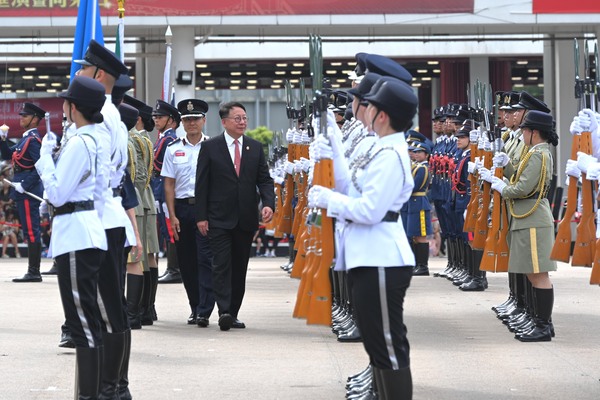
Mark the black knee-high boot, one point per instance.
(135, 288)
(89, 365)
(543, 304)
(114, 347)
(395, 384)
(422, 259)
(124, 393)
(145, 312)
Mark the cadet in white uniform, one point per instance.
(193, 250)
(78, 241)
(102, 65)
(374, 247)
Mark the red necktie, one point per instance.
(236, 157)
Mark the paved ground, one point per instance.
(459, 349)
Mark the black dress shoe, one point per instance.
(237, 324)
(225, 322)
(170, 277)
(29, 278)
(192, 319)
(202, 322)
(66, 341)
(351, 336)
(421, 270)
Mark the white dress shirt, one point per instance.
(181, 159)
(231, 146)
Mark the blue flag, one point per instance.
(88, 27)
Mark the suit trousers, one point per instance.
(29, 217)
(231, 251)
(195, 261)
(378, 296)
(78, 284)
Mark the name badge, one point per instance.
(180, 153)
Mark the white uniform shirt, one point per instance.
(114, 136)
(384, 184)
(181, 159)
(64, 182)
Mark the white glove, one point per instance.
(332, 127)
(311, 173)
(474, 136)
(486, 174)
(297, 166)
(321, 149)
(157, 206)
(575, 127)
(471, 167)
(4, 131)
(289, 168)
(306, 163)
(278, 180)
(487, 145)
(165, 209)
(498, 184)
(43, 207)
(48, 144)
(500, 159)
(593, 173)
(297, 136)
(318, 196)
(19, 188)
(587, 120)
(584, 160)
(289, 136)
(572, 169)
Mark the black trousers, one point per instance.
(378, 296)
(195, 262)
(78, 284)
(111, 289)
(231, 251)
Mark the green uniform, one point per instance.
(532, 226)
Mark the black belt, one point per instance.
(190, 201)
(18, 168)
(390, 216)
(116, 192)
(74, 206)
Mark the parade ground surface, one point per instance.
(459, 350)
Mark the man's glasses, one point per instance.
(238, 119)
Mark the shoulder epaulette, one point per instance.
(174, 141)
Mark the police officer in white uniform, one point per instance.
(78, 241)
(374, 248)
(193, 250)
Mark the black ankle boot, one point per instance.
(34, 255)
(422, 259)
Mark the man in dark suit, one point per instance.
(231, 167)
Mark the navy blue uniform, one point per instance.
(461, 192)
(24, 155)
(419, 208)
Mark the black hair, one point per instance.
(226, 108)
(549, 136)
(91, 114)
(400, 124)
(148, 124)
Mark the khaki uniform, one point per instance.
(532, 226)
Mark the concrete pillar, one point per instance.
(479, 69)
(183, 60)
(559, 83)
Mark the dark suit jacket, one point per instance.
(223, 198)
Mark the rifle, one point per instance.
(285, 223)
(469, 225)
(561, 251)
(583, 252)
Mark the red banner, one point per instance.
(566, 7)
(9, 114)
(55, 8)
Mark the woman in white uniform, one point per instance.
(374, 248)
(78, 241)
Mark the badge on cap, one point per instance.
(190, 106)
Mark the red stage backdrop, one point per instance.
(9, 114)
(566, 7)
(46, 8)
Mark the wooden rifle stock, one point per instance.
(469, 225)
(481, 225)
(584, 243)
(561, 251)
(488, 260)
(595, 276)
(301, 239)
(502, 251)
(285, 223)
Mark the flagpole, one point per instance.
(167, 73)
